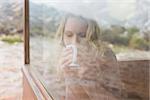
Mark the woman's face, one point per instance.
(75, 31)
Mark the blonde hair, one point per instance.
(93, 33)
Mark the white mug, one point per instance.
(74, 57)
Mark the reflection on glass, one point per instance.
(96, 33)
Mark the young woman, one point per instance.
(97, 77)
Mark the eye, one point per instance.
(69, 34)
(82, 35)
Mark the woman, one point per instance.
(97, 77)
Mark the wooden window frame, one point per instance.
(26, 32)
(33, 88)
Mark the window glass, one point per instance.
(76, 47)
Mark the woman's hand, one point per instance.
(88, 69)
(65, 61)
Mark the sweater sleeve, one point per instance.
(109, 74)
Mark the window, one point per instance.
(98, 32)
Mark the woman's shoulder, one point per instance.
(107, 52)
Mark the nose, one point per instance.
(75, 40)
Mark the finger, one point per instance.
(67, 52)
(66, 59)
(66, 64)
(66, 49)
